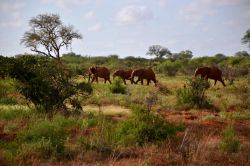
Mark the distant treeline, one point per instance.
(232, 66)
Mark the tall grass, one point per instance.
(230, 142)
(14, 113)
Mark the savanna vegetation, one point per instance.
(50, 113)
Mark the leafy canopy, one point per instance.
(48, 35)
(246, 38)
(159, 51)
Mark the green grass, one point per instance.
(8, 101)
(230, 142)
(15, 112)
(7, 85)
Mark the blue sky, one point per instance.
(129, 27)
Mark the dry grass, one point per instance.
(111, 110)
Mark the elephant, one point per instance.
(123, 74)
(210, 72)
(101, 72)
(147, 74)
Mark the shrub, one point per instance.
(243, 93)
(45, 136)
(193, 94)
(230, 142)
(143, 127)
(102, 137)
(45, 82)
(117, 86)
(163, 89)
(7, 85)
(5, 66)
(169, 68)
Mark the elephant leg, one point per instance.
(223, 83)
(105, 81)
(93, 79)
(131, 81)
(137, 80)
(148, 81)
(142, 81)
(154, 80)
(109, 81)
(215, 82)
(124, 81)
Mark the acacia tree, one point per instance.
(246, 38)
(48, 35)
(184, 55)
(159, 51)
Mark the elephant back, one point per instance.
(215, 73)
(149, 73)
(127, 74)
(102, 72)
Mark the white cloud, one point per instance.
(11, 14)
(196, 11)
(224, 2)
(89, 15)
(247, 15)
(96, 27)
(8, 7)
(67, 3)
(133, 14)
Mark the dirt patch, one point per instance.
(107, 109)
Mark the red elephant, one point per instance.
(210, 72)
(123, 74)
(101, 72)
(147, 74)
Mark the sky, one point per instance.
(129, 27)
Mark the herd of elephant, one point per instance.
(148, 74)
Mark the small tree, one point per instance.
(184, 55)
(220, 55)
(193, 95)
(246, 38)
(48, 35)
(47, 83)
(158, 51)
(241, 54)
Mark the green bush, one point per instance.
(6, 64)
(193, 94)
(143, 127)
(45, 82)
(243, 93)
(47, 137)
(102, 139)
(7, 85)
(117, 86)
(42, 148)
(230, 142)
(169, 68)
